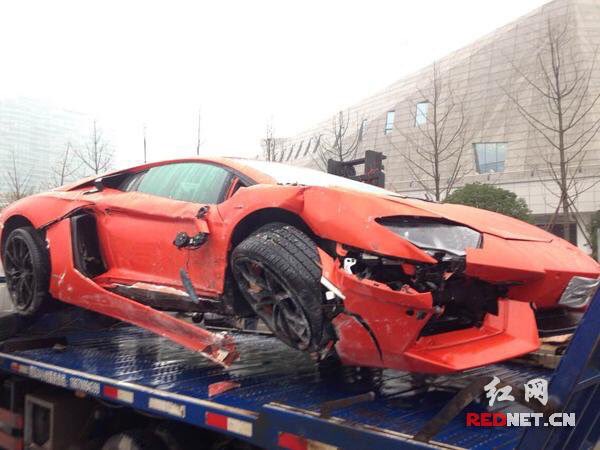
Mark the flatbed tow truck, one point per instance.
(272, 397)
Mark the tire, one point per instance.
(27, 270)
(135, 440)
(277, 270)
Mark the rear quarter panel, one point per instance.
(41, 208)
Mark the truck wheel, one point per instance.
(27, 270)
(277, 271)
(135, 440)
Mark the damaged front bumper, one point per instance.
(382, 327)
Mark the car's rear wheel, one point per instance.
(27, 270)
(277, 271)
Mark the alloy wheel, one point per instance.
(274, 302)
(20, 277)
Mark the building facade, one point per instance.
(488, 106)
(33, 141)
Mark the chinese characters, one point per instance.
(536, 388)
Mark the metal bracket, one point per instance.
(327, 407)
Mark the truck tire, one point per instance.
(135, 440)
(277, 270)
(27, 270)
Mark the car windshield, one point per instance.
(286, 174)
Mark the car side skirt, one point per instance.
(70, 286)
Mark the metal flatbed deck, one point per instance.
(278, 392)
(279, 389)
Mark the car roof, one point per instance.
(236, 164)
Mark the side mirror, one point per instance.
(98, 185)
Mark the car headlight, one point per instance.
(433, 235)
(579, 292)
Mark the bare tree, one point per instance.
(66, 167)
(272, 146)
(17, 180)
(561, 81)
(341, 142)
(97, 154)
(437, 143)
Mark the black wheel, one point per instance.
(135, 440)
(277, 271)
(27, 270)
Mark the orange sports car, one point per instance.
(329, 264)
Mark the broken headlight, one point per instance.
(579, 292)
(434, 236)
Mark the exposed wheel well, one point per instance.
(245, 228)
(13, 222)
(257, 219)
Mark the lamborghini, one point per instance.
(330, 265)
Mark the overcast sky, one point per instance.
(243, 63)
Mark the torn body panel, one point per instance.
(146, 227)
(70, 286)
(393, 337)
(329, 213)
(509, 334)
(538, 272)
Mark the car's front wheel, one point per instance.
(277, 271)
(27, 270)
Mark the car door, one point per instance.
(139, 226)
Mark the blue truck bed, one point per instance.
(275, 391)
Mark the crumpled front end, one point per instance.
(385, 322)
(435, 287)
(538, 272)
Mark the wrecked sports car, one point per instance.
(330, 265)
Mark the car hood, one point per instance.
(479, 219)
(351, 218)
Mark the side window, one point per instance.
(188, 182)
(131, 182)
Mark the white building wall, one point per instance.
(482, 74)
(37, 135)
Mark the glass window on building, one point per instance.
(389, 122)
(490, 156)
(317, 144)
(363, 128)
(307, 147)
(421, 113)
(299, 150)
